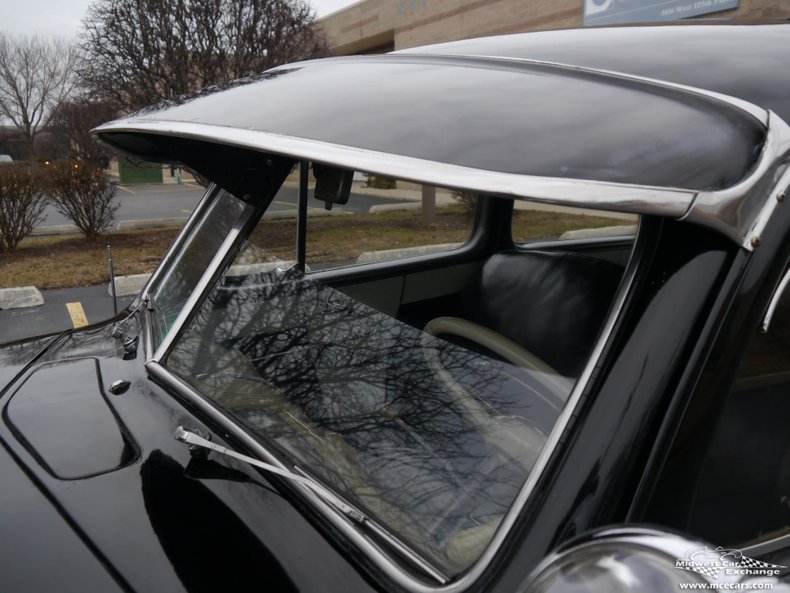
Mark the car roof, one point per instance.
(529, 115)
(745, 61)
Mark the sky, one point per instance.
(62, 17)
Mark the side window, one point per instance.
(740, 492)
(384, 219)
(539, 222)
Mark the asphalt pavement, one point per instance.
(156, 202)
(67, 308)
(63, 309)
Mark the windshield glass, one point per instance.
(181, 276)
(432, 439)
(422, 398)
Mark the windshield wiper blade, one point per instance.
(191, 438)
(354, 514)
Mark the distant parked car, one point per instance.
(437, 402)
(6, 159)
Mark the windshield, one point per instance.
(432, 439)
(422, 398)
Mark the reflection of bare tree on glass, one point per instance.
(351, 395)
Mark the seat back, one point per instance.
(551, 303)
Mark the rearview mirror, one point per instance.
(332, 184)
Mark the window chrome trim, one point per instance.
(774, 302)
(384, 560)
(196, 214)
(206, 282)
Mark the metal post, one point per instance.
(112, 281)
(428, 204)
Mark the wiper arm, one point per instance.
(190, 438)
(355, 515)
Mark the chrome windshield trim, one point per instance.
(755, 111)
(599, 195)
(180, 238)
(775, 298)
(560, 425)
(383, 559)
(205, 284)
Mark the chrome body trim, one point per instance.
(736, 211)
(599, 195)
(774, 302)
(742, 211)
(204, 285)
(733, 211)
(670, 546)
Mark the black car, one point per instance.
(441, 312)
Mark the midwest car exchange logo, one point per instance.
(723, 567)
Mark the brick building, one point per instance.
(377, 26)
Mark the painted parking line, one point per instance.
(77, 314)
(125, 189)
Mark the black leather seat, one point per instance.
(551, 303)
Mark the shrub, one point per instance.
(468, 201)
(84, 194)
(22, 202)
(380, 182)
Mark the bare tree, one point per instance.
(36, 75)
(143, 51)
(71, 125)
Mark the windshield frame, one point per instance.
(391, 566)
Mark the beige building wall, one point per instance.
(374, 26)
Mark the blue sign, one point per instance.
(601, 12)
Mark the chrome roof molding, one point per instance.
(740, 211)
(619, 197)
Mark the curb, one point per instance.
(128, 285)
(20, 297)
(151, 223)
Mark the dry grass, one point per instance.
(71, 260)
(67, 261)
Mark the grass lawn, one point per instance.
(68, 260)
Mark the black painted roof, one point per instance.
(516, 117)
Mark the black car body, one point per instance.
(407, 462)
